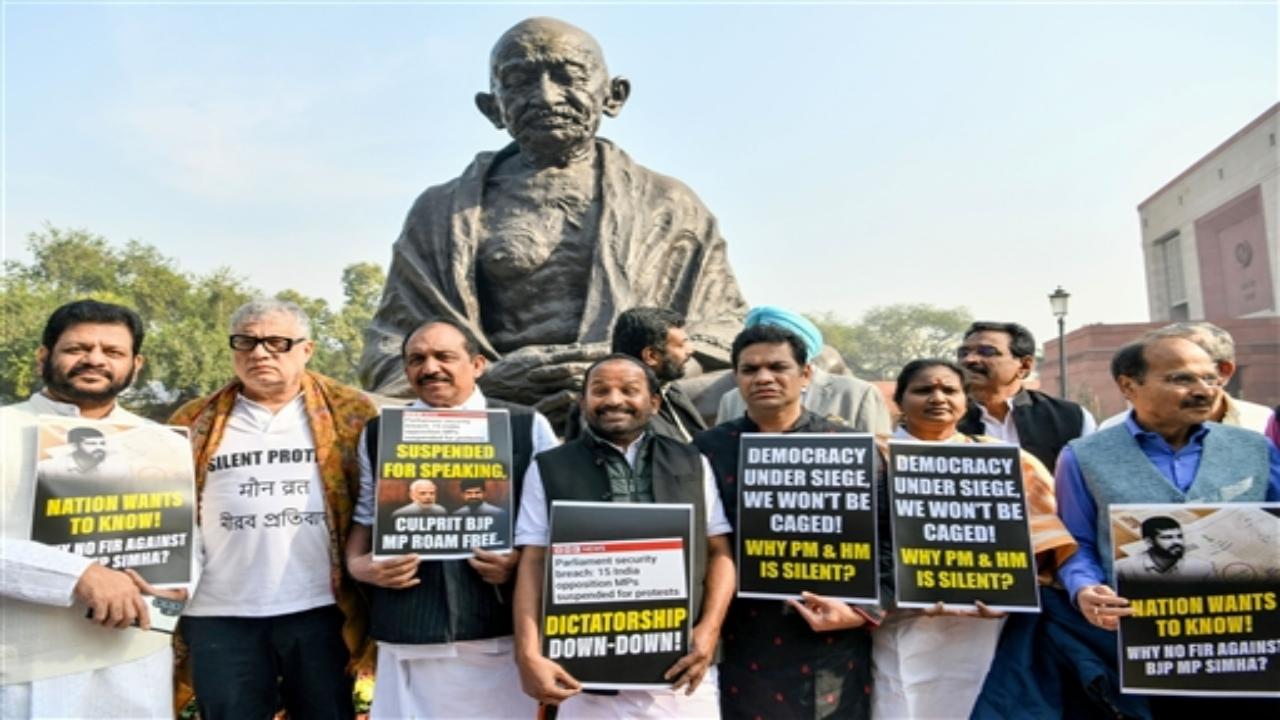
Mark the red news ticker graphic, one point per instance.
(619, 546)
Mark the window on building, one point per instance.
(1169, 254)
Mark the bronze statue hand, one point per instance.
(535, 372)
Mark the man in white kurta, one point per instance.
(463, 678)
(55, 662)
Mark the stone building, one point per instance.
(1209, 242)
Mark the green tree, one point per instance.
(889, 336)
(185, 314)
(340, 335)
(362, 285)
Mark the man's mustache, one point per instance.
(1197, 403)
(616, 408)
(565, 112)
(84, 369)
(433, 377)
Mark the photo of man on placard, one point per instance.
(1165, 556)
(422, 494)
(91, 458)
(474, 501)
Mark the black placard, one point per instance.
(450, 454)
(616, 602)
(807, 516)
(1209, 623)
(960, 527)
(123, 495)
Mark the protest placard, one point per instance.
(443, 483)
(807, 516)
(121, 494)
(1203, 582)
(616, 603)
(960, 530)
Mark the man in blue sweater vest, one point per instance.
(1166, 451)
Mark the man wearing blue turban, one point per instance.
(855, 402)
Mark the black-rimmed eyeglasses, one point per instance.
(985, 351)
(273, 343)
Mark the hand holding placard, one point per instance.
(826, 614)
(689, 670)
(112, 596)
(494, 568)
(1101, 606)
(545, 681)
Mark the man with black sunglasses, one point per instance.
(276, 467)
(997, 358)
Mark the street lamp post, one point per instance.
(1058, 301)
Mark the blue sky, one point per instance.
(855, 155)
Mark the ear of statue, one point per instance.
(487, 104)
(619, 91)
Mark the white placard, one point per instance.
(454, 426)
(618, 571)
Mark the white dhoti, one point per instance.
(930, 667)
(469, 679)
(637, 704)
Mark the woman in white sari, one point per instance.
(932, 663)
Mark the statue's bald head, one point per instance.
(543, 38)
(549, 87)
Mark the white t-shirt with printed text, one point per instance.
(262, 518)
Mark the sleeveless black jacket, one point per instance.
(576, 471)
(451, 602)
(1045, 424)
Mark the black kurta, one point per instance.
(775, 666)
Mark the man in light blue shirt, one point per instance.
(1165, 451)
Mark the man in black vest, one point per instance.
(443, 627)
(656, 337)
(620, 458)
(997, 358)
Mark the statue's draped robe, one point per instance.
(656, 245)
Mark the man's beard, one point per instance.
(668, 370)
(61, 384)
(90, 459)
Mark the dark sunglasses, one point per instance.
(273, 343)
